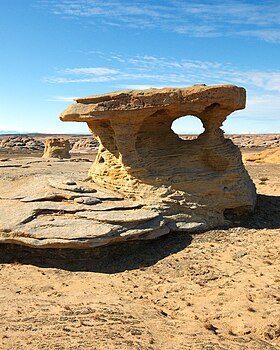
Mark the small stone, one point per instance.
(70, 183)
(91, 200)
(74, 188)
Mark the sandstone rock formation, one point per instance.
(145, 181)
(56, 148)
(192, 182)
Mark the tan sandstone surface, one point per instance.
(271, 155)
(145, 181)
(216, 290)
(192, 184)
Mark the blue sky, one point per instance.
(55, 50)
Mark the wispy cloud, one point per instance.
(209, 18)
(90, 71)
(83, 75)
(151, 71)
(140, 72)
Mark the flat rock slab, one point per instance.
(71, 186)
(121, 216)
(72, 217)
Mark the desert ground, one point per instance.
(216, 290)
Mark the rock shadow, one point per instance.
(135, 254)
(106, 259)
(266, 214)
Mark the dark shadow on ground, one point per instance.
(107, 259)
(266, 214)
(137, 254)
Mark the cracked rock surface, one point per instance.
(59, 212)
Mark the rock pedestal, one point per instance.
(194, 184)
(145, 181)
(57, 148)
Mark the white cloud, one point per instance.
(163, 71)
(63, 80)
(266, 80)
(233, 18)
(142, 72)
(90, 71)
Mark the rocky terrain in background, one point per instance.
(21, 144)
(248, 140)
(34, 143)
(254, 141)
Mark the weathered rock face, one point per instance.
(65, 213)
(56, 148)
(192, 182)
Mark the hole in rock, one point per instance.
(101, 160)
(188, 127)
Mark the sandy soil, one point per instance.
(215, 291)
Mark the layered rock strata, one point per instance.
(192, 183)
(63, 213)
(57, 148)
(145, 181)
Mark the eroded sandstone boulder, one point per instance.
(145, 181)
(144, 160)
(56, 148)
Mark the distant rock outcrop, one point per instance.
(256, 140)
(85, 145)
(56, 148)
(22, 143)
(267, 156)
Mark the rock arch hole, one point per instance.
(187, 126)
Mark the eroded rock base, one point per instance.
(42, 207)
(62, 213)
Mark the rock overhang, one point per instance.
(176, 102)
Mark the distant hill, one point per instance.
(12, 132)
